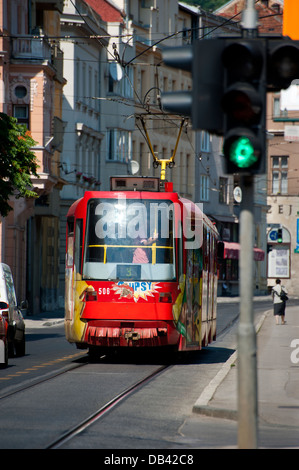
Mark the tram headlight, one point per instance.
(91, 294)
(165, 297)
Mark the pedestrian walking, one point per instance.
(279, 295)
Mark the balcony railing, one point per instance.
(30, 48)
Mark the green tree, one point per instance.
(17, 162)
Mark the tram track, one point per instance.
(101, 412)
(36, 382)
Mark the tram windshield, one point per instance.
(129, 239)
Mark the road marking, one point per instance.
(44, 364)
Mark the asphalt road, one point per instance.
(54, 387)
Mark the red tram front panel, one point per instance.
(129, 313)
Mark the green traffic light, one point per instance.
(241, 153)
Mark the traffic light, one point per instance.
(244, 105)
(279, 235)
(282, 63)
(230, 81)
(178, 102)
(203, 103)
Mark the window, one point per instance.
(205, 141)
(280, 174)
(70, 243)
(96, 92)
(78, 245)
(124, 87)
(223, 190)
(20, 91)
(276, 106)
(204, 187)
(90, 86)
(77, 79)
(119, 145)
(21, 113)
(84, 94)
(165, 84)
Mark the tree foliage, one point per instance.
(17, 162)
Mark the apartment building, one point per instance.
(85, 77)
(269, 22)
(98, 106)
(281, 181)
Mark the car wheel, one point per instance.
(20, 347)
(5, 364)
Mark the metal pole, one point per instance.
(247, 362)
(247, 366)
(249, 16)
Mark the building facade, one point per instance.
(31, 90)
(86, 78)
(283, 197)
(281, 181)
(269, 22)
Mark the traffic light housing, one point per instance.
(203, 103)
(279, 235)
(282, 63)
(231, 77)
(244, 105)
(253, 67)
(178, 102)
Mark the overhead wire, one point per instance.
(164, 38)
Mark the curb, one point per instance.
(33, 324)
(202, 406)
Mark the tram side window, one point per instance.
(180, 244)
(78, 245)
(206, 244)
(70, 243)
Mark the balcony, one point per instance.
(31, 49)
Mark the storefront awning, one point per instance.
(232, 249)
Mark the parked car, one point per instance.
(13, 315)
(3, 335)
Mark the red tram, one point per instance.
(141, 269)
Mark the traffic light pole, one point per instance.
(247, 361)
(231, 78)
(247, 354)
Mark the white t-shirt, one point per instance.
(276, 291)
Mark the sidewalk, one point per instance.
(44, 319)
(278, 378)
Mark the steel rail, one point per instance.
(104, 409)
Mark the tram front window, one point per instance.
(129, 239)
